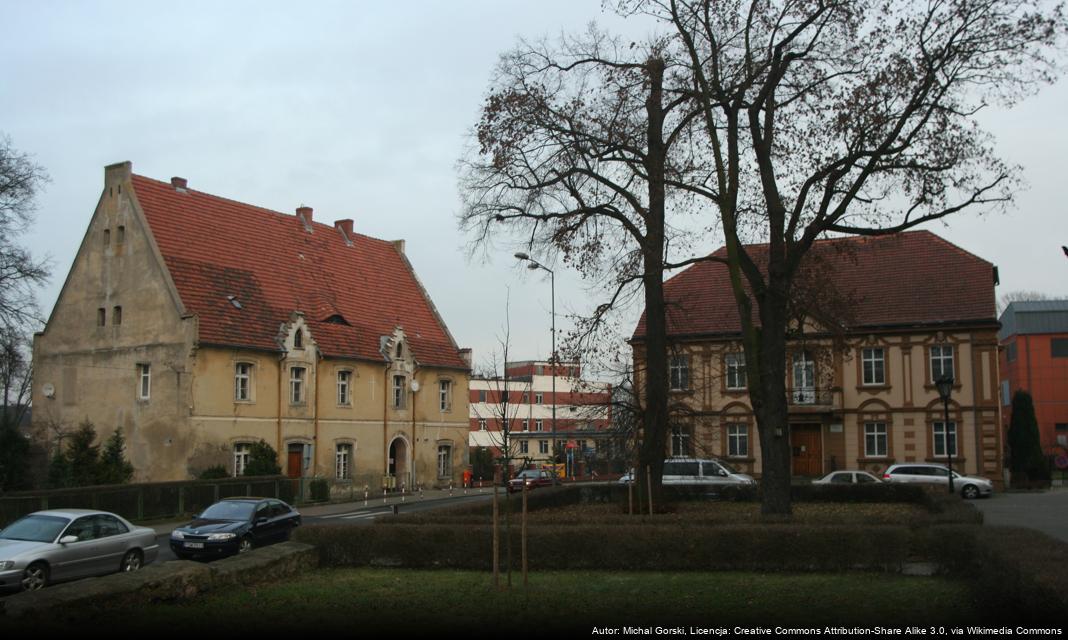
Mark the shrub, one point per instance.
(320, 490)
(262, 460)
(218, 472)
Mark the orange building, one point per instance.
(1034, 358)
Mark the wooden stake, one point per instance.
(496, 533)
(523, 534)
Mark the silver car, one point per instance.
(848, 476)
(52, 546)
(970, 487)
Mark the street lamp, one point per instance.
(945, 388)
(534, 265)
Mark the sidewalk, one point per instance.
(333, 508)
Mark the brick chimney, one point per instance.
(179, 183)
(345, 226)
(305, 214)
(467, 356)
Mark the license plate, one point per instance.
(194, 545)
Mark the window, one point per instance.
(144, 381)
(873, 362)
(101, 317)
(1058, 347)
(481, 396)
(737, 441)
(543, 446)
(445, 395)
(1010, 351)
(526, 398)
(941, 361)
(680, 443)
(539, 425)
(399, 353)
(444, 461)
(298, 339)
(804, 378)
(942, 435)
(482, 424)
(296, 385)
(243, 382)
(735, 365)
(526, 425)
(120, 236)
(398, 392)
(343, 462)
(680, 373)
(344, 388)
(875, 440)
(242, 451)
(524, 447)
(107, 238)
(539, 398)
(116, 315)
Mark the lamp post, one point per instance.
(945, 388)
(534, 265)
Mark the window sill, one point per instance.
(930, 386)
(876, 460)
(873, 387)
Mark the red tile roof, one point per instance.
(907, 279)
(215, 248)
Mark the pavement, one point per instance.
(1046, 511)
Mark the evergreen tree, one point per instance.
(14, 454)
(1025, 447)
(262, 460)
(113, 467)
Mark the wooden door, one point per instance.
(296, 460)
(807, 449)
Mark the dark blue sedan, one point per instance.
(233, 526)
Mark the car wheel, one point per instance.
(244, 545)
(970, 492)
(132, 561)
(35, 577)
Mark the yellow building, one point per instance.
(201, 325)
(917, 306)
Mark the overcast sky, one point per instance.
(360, 110)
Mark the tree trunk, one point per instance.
(770, 407)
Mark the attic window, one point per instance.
(337, 319)
(234, 301)
(298, 339)
(400, 349)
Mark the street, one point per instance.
(1046, 511)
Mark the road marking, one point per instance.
(362, 516)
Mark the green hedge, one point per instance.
(1022, 571)
(624, 548)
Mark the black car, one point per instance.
(234, 525)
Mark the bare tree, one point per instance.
(577, 144)
(830, 117)
(1020, 296)
(20, 181)
(15, 379)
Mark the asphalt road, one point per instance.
(1046, 511)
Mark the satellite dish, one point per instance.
(415, 385)
(49, 390)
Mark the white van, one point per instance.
(699, 471)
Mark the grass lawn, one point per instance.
(393, 599)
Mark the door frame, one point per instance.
(809, 428)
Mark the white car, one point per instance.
(970, 487)
(848, 476)
(65, 544)
(698, 471)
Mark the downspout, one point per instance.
(385, 419)
(414, 438)
(315, 417)
(281, 366)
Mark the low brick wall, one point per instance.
(74, 601)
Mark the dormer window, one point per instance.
(400, 350)
(298, 339)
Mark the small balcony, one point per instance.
(810, 400)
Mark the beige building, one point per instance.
(919, 307)
(201, 325)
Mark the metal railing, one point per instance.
(810, 397)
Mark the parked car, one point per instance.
(532, 478)
(970, 487)
(848, 476)
(234, 525)
(65, 544)
(698, 471)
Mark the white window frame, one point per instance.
(938, 437)
(243, 382)
(539, 398)
(400, 384)
(242, 453)
(737, 377)
(144, 381)
(681, 440)
(543, 447)
(526, 425)
(945, 355)
(444, 461)
(679, 373)
(539, 425)
(482, 424)
(524, 447)
(878, 433)
(445, 395)
(737, 441)
(875, 357)
(344, 388)
(296, 385)
(343, 461)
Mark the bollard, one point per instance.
(450, 488)
(365, 489)
(383, 495)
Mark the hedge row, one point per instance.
(623, 548)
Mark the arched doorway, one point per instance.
(398, 462)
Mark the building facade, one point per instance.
(860, 399)
(521, 403)
(200, 325)
(1034, 358)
